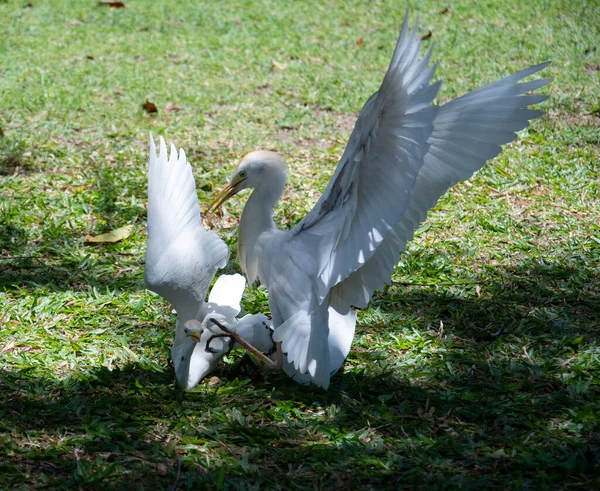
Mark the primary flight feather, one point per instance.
(402, 155)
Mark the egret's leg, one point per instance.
(277, 320)
(246, 345)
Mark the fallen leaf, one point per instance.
(445, 11)
(149, 107)
(427, 35)
(111, 237)
(278, 66)
(171, 106)
(359, 42)
(28, 5)
(90, 57)
(112, 5)
(8, 347)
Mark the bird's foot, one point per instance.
(247, 346)
(209, 349)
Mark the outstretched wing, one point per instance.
(182, 257)
(401, 157)
(467, 132)
(372, 185)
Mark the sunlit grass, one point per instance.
(478, 366)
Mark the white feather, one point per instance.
(402, 155)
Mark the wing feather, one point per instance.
(464, 137)
(181, 257)
(371, 186)
(403, 154)
(226, 294)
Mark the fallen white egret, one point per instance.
(182, 258)
(402, 155)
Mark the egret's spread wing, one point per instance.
(226, 295)
(372, 185)
(467, 132)
(403, 154)
(182, 257)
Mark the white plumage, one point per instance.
(402, 155)
(182, 258)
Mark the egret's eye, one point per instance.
(242, 174)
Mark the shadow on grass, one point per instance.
(58, 273)
(58, 262)
(113, 428)
(508, 398)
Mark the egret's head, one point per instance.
(255, 169)
(193, 330)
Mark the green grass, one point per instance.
(480, 365)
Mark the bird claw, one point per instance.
(214, 351)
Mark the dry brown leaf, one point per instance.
(278, 66)
(426, 35)
(359, 42)
(171, 106)
(445, 11)
(112, 5)
(149, 107)
(111, 237)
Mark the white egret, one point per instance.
(182, 258)
(402, 155)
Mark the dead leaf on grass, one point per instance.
(112, 5)
(111, 237)
(445, 11)
(359, 42)
(426, 35)
(149, 107)
(278, 66)
(171, 106)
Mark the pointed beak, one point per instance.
(196, 335)
(227, 192)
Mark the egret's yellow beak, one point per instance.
(227, 192)
(196, 335)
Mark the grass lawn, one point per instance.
(479, 367)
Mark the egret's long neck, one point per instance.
(183, 346)
(182, 358)
(256, 219)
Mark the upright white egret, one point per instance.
(182, 258)
(402, 155)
